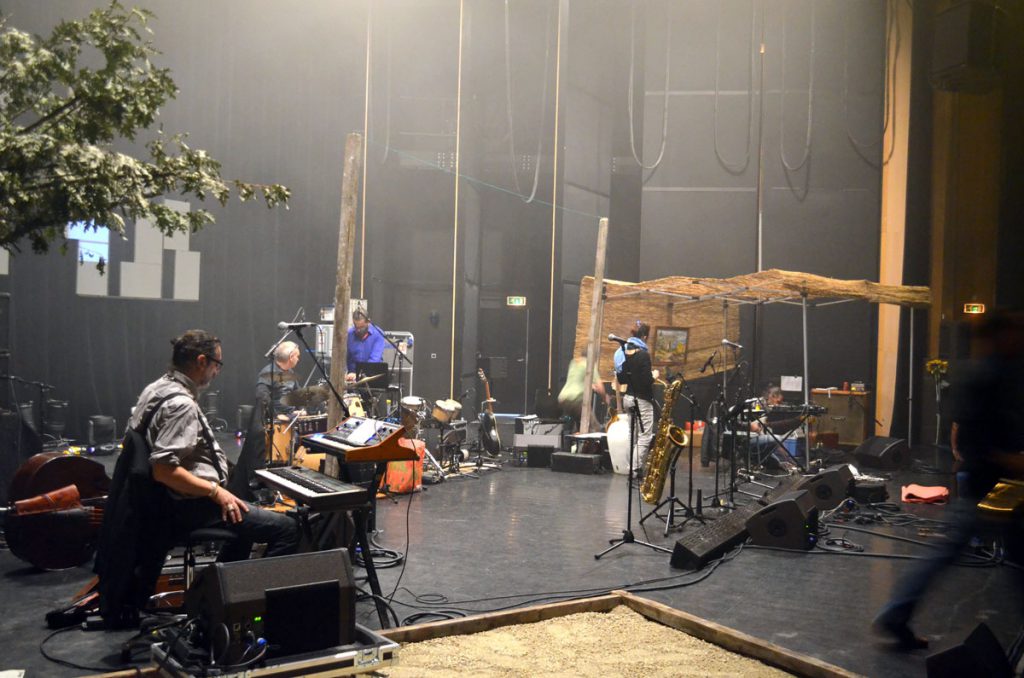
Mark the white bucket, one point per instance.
(618, 446)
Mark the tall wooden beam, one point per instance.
(346, 251)
(596, 306)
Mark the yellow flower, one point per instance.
(937, 367)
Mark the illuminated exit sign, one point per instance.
(515, 301)
(974, 309)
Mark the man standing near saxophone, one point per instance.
(633, 368)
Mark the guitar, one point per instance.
(489, 428)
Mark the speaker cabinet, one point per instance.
(883, 453)
(978, 654)
(850, 414)
(300, 603)
(829, 487)
(790, 522)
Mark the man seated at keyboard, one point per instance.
(770, 428)
(188, 461)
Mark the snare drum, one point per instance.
(414, 404)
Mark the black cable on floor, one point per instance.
(65, 662)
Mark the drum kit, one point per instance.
(413, 412)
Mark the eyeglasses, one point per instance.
(220, 363)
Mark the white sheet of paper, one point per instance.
(792, 383)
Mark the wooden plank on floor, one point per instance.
(493, 620)
(731, 639)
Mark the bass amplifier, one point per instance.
(298, 603)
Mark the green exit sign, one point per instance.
(515, 301)
(974, 309)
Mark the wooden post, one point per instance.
(596, 314)
(343, 288)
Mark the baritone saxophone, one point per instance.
(668, 438)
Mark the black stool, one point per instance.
(201, 536)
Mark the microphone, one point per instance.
(711, 359)
(733, 344)
(612, 337)
(293, 326)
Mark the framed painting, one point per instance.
(669, 345)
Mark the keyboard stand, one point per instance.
(360, 518)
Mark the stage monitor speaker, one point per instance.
(699, 547)
(300, 603)
(829, 487)
(790, 522)
(966, 47)
(978, 654)
(883, 453)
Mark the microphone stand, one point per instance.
(269, 411)
(398, 354)
(323, 373)
(634, 421)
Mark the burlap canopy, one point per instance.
(708, 309)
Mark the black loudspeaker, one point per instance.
(883, 453)
(790, 522)
(966, 47)
(575, 463)
(299, 603)
(539, 457)
(829, 487)
(979, 654)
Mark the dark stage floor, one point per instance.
(521, 536)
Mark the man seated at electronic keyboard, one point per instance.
(771, 429)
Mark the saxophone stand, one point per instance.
(627, 534)
(672, 500)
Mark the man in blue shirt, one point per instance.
(365, 344)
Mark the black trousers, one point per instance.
(278, 531)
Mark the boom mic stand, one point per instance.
(627, 534)
(400, 356)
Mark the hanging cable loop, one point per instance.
(632, 70)
(508, 104)
(733, 167)
(810, 98)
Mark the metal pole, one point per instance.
(807, 394)
(526, 363)
(910, 384)
(725, 335)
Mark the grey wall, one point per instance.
(724, 152)
(271, 89)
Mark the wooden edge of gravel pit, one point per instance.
(722, 636)
(493, 620)
(733, 640)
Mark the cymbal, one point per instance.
(357, 382)
(309, 396)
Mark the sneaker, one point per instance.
(899, 633)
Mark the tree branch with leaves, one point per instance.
(65, 100)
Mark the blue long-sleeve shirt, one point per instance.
(369, 349)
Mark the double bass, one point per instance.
(57, 510)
